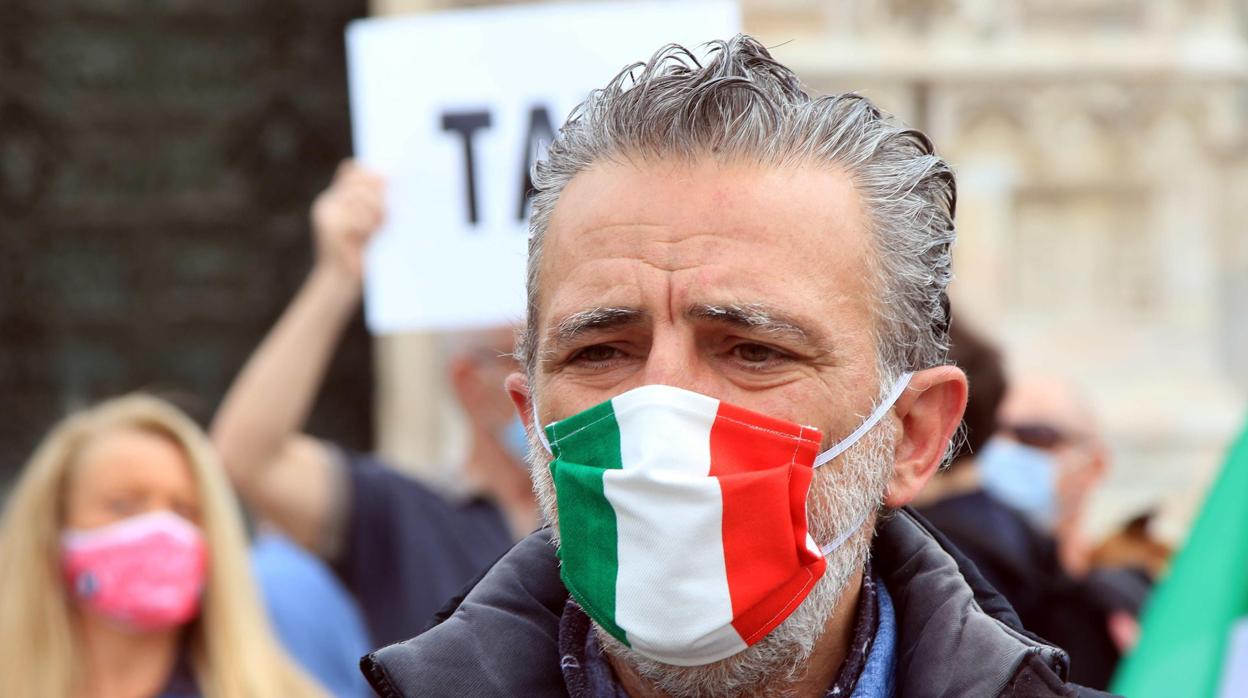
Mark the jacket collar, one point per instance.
(949, 619)
(955, 634)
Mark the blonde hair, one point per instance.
(231, 646)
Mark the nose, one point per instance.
(674, 360)
(152, 506)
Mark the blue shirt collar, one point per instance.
(878, 674)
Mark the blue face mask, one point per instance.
(515, 439)
(1023, 477)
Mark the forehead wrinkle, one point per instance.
(674, 250)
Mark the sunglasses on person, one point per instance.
(1039, 435)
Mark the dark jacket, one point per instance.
(956, 636)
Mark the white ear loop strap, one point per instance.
(866, 426)
(537, 426)
(849, 532)
(848, 441)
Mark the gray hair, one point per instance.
(743, 104)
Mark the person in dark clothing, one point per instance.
(1018, 558)
(407, 549)
(735, 382)
(1021, 562)
(992, 535)
(400, 548)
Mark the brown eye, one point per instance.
(755, 353)
(599, 353)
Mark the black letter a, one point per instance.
(539, 129)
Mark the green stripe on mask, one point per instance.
(594, 552)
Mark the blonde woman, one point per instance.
(124, 569)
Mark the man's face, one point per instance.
(752, 285)
(746, 283)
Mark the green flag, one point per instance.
(1194, 640)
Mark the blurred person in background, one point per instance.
(1049, 456)
(1046, 460)
(124, 570)
(992, 534)
(312, 613)
(1134, 545)
(1013, 500)
(401, 548)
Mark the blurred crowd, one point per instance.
(143, 554)
(129, 567)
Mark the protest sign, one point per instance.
(452, 108)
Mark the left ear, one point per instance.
(930, 410)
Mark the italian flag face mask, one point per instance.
(682, 519)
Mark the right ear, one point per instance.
(517, 385)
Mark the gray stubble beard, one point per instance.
(774, 665)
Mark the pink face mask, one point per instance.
(146, 572)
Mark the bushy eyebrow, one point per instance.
(759, 319)
(573, 327)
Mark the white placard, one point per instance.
(429, 92)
